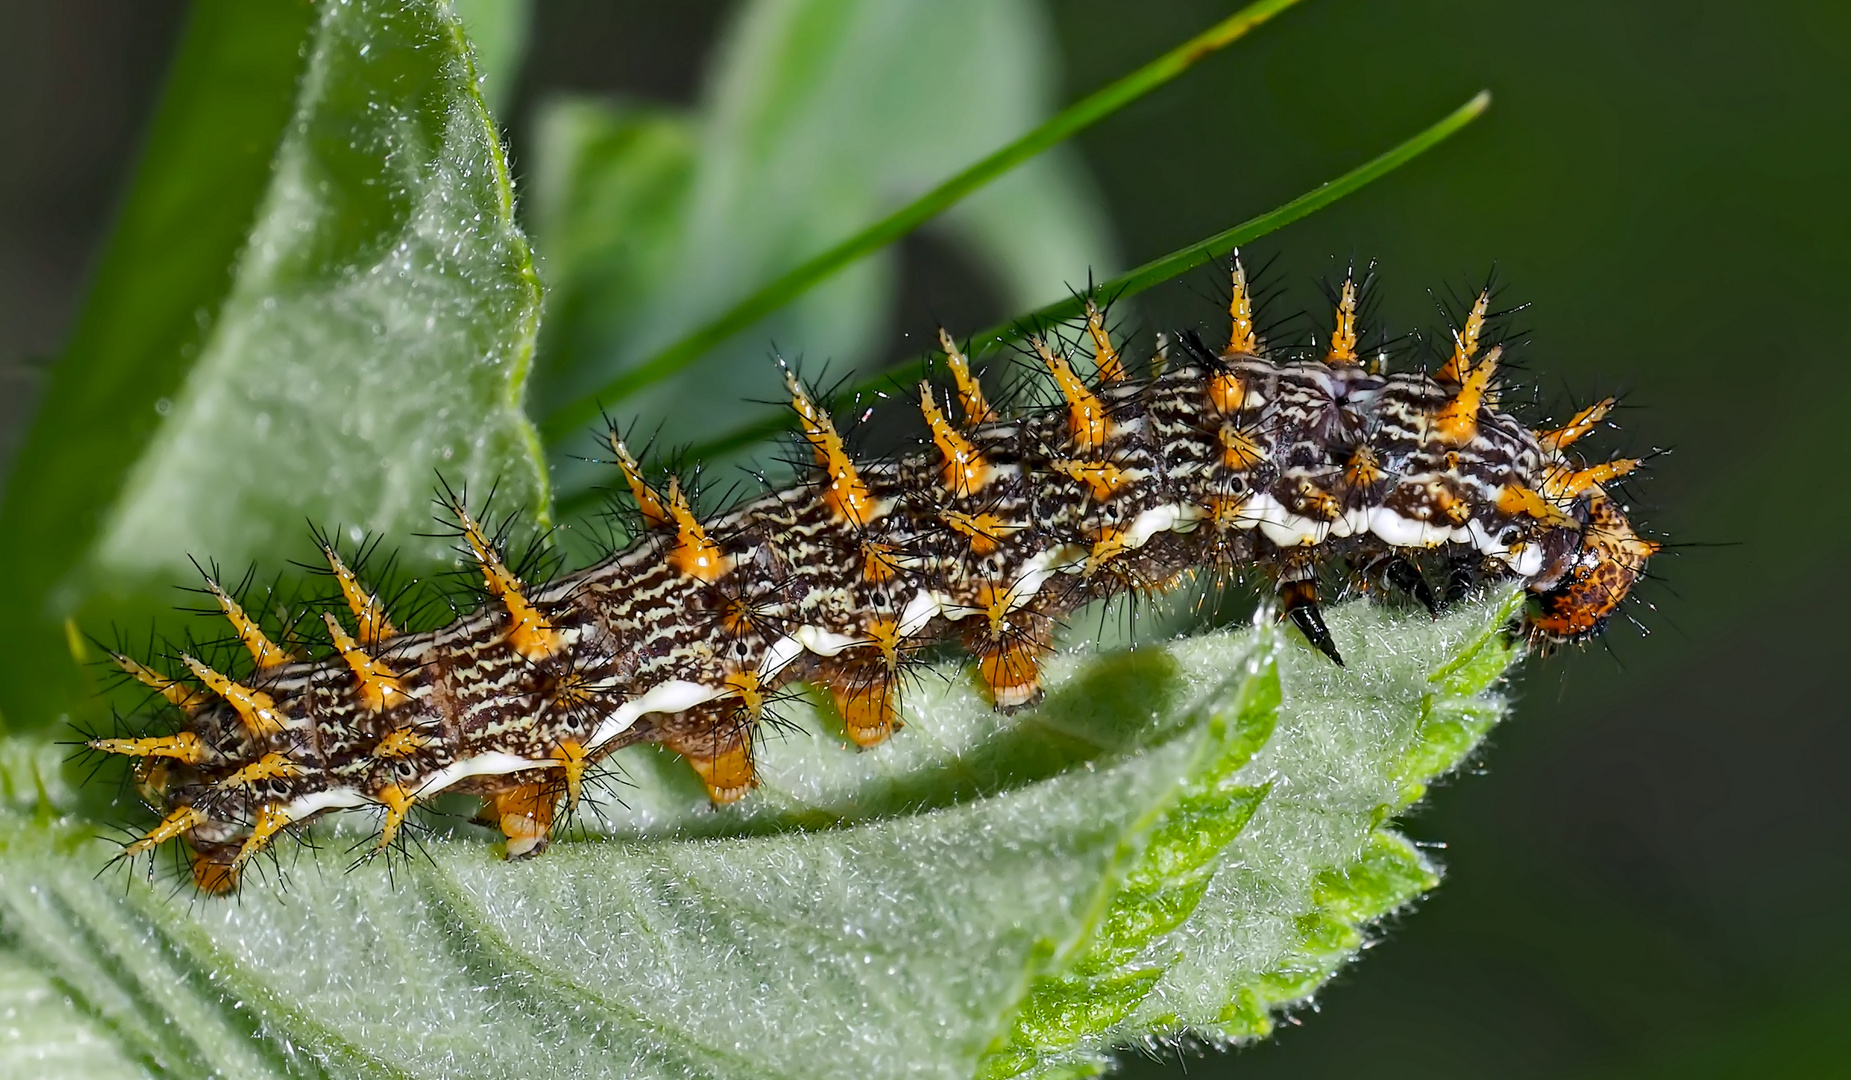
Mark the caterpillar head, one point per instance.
(1596, 574)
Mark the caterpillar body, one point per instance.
(988, 533)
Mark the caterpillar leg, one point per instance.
(214, 873)
(1399, 572)
(525, 816)
(719, 747)
(218, 866)
(1009, 656)
(1299, 602)
(866, 696)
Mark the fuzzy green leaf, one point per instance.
(375, 329)
(1180, 837)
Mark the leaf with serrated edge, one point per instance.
(959, 901)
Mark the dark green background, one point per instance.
(1653, 877)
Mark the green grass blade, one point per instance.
(1182, 260)
(1136, 281)
(1070, 121)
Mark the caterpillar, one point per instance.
(993, 528)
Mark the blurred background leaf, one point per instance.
(818, 117)
(497, 33)
(375, 328)
(225, 106)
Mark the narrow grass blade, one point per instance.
(802, 278)
(1136, 281)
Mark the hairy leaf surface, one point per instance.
(1185, 836)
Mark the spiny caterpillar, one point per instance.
(991, 530)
